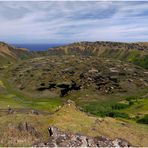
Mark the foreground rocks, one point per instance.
(58, 138)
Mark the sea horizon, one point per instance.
(36, 46)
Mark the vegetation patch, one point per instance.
(116, 114)
(99, 109)
(119, 106)
(141, 61)
(2, 84)
(143, 120)
(132, 108)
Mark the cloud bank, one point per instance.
(65, 22)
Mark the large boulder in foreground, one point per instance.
(59, 138)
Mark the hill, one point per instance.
(10, 54)
(136, 53)
(109, 93)
(29, 129)
(95, 84)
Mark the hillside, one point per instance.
(10, 54)
(80, 91)
(136, 53)
(76, 74)
(89, 81)
(30, 129)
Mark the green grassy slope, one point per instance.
(68, 118)
(122, 112)
(34, 73)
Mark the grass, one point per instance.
(131, 108)
(2, 84)
(40, 104)
(46, 104)
(97, 108)
(100, 105)
(70, 118)
(120, 107)
(135, 133)
(137, 59)
(17, 99)
(139, 107)
(144, 119)
(11, 136)
(110, 109)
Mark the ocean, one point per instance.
(37, 47)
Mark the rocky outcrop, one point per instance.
(9, 54)
(59, 138)
(26, 127)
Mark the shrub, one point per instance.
(118, 114)
(143, 62)
(119, 106)
(131, 103)
(98, 109)
(143, 120)
(106, 110)
(131, 98)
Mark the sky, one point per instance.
(73, 21)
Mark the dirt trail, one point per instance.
(4, 112)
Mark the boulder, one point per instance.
(69, 70)
(114, 79)
(59, 138)
(26, 127)
(93, 70)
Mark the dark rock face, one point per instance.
(44, 87)
(64, 87)
(58, 138)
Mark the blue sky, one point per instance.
(65, 22)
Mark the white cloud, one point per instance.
(73, 21)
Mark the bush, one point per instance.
(119, 106)
(106, 110)
(131, 98)
(118, 114)
(143, 120)
(98, 109)
(143, 62)
(131, 103)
